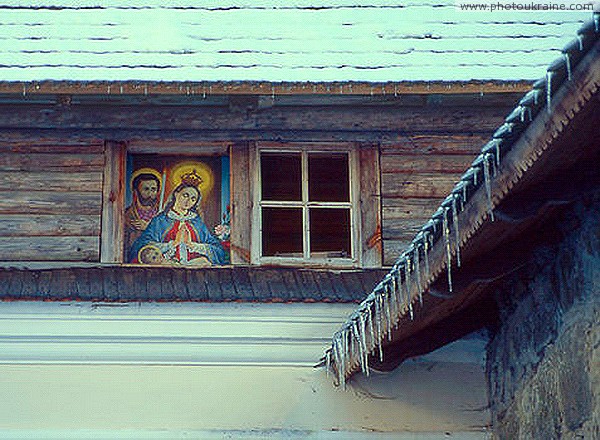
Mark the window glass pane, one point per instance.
(328, 178)
(281, 176)
(282, 232)
(330, 232)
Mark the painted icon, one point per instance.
(191, 225)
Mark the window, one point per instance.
(305, 207)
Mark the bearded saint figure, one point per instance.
(145, 187)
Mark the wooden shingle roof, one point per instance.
(268, 40)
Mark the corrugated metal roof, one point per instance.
(270, 40)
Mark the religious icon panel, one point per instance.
(177, 210)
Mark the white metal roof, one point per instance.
(270, 40)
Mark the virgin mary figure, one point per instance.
(177, 235)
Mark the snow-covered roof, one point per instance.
(274, 40)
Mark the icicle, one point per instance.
(373, 338)
(388, 310)
(337, 356)
(488, 185)
(344, 336)
(397, 294)
(456, 231)
(356, 337)
(549, 76)
(407, 288)
(580, 38)
(379, 328)
(568, 63)
(426, 252)
(418, 271)
(597, 22)
(328, 362)
(363, 344)
(475, 172)
(448, 249)
(536, 95)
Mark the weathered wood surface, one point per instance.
(15, 225)
(49, 248)
(426, 119)
(396, 208)
(419, 185)
(62, 181)
(411, 163)
(241, 204)
(137, 283)
(48, 202)
(431, 143)
(370, 205)
(113, 203)
(70, 147)
(50, 161)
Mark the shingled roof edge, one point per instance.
(209, 88)
(393, 299)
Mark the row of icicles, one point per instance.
(373, 322)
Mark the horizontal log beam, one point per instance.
(430, 143)
(417, 163)
(49, 225)
(446, 120)
(49, 248)
(63, 181)
(51, 161)
(419, 185)
(173, 137)
(43, 202)
(261, 88)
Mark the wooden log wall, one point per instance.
(416, 176)
(425, 143)
(50, 202)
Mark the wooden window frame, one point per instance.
(355, 260)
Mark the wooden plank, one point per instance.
(180, 284)
(370, 205)
(62, 148)
(215, 293)
(394, 208)
(226, 282)
(25, 161)
(231, 135)
(241, 204)
(14, 225)
(419, 144)
(265, 87)
(393, 248)
(113, 202)
(276, 283)
(418, 163)
(49, 248)
(243, 286)
(419, 185)
(51, 181)
(399, 228)
(397, 118)
(44, 202)
(197, 285)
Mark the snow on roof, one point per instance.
(270, 40)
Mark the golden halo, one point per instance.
(144, 171)
(201, 169)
